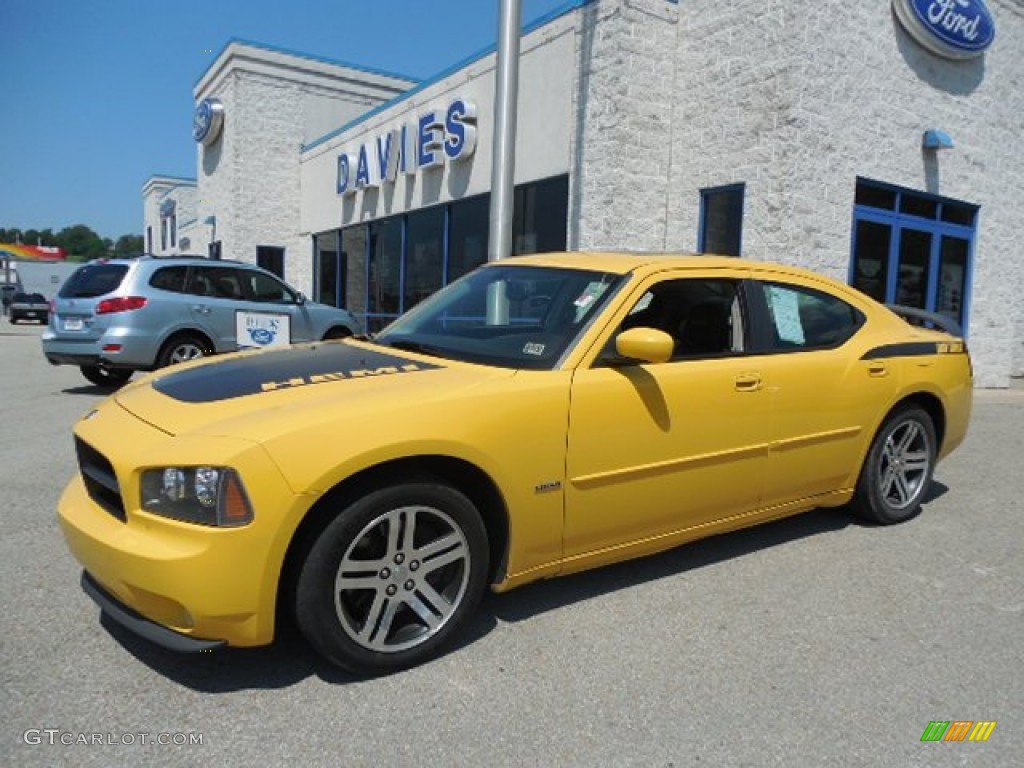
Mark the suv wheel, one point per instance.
(106, 377)
(181, 349)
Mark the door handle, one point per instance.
(747, 382)
(877, 369)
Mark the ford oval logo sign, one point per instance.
(261, 336)
(207, 121)
(955, 29)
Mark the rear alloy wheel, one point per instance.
(899, 467)
(106, 377)
(393, 577)
(181, 349)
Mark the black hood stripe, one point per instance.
(908, 349)
(272, 370)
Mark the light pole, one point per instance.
(503, 152)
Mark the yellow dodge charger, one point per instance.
(540, 416)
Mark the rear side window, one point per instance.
(169, 279)
(802, 318)
(93, 280)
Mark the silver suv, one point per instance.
(116, 316)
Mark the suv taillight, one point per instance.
(120, 304)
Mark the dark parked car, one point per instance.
(29, 306)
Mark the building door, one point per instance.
(913, 249)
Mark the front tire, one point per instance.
(393, 578)
(898, 470)
(106, 377)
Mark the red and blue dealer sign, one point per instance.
(954, 29)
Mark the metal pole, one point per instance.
(506, 93)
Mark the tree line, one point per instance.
(80, 242)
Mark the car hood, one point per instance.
(259, 395)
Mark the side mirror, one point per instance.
(648, 345)
(300, 298)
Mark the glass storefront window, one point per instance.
(871, 258)
(539, 218)
(912, 278)
(953, 255)
(385, 267)
(469, 229)
(353, 257)
(327, 272)
(721, 220)
(424, 255)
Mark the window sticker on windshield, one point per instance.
(533, 348)
(590, 294)
(786, 311)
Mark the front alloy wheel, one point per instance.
(899, 468)
(393, 577)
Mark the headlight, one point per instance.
(205, 495)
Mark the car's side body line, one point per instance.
(597, 479)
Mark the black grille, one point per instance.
(100, 480)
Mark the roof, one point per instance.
(621, 263)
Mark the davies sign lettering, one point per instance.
(955, 29)
(435, 136)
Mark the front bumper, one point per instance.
(198, 582)
(142, 626)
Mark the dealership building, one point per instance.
(875, 142)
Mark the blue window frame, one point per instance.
(913, 248)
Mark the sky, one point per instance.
(96, 95)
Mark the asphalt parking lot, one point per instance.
(809, 642)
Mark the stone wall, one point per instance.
(796, 99)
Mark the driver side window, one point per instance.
(703, 316)
(264, 288)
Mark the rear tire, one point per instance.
(393, 578)
(106, 377)
(898, 469)
(181, 349)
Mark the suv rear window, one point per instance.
(93, 280)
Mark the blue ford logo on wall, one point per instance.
(955, 29)
(207, 121)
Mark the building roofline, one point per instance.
(299, 55)
(167, 179)
(527, 28)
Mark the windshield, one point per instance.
(93, 280)
(509, 316)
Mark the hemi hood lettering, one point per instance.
(270, 371)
